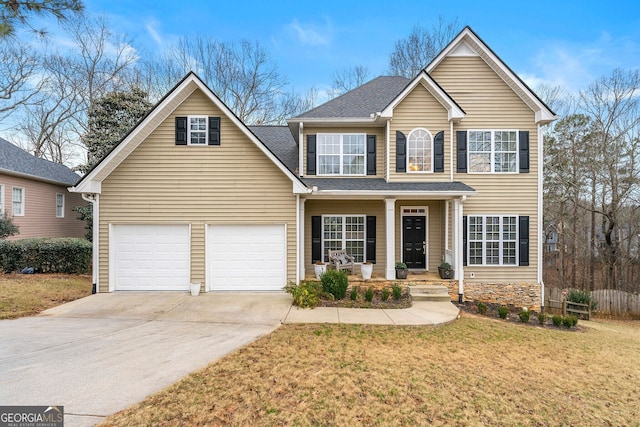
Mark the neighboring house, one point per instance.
(33, 192)
(446, 165)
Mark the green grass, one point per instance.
(29, 294)
(475, 371)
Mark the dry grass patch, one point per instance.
(476, 371)
(28, 294)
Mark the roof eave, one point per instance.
(373, 117)
(432, 195)
(33, 177)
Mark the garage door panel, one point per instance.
(248, 257)
(151, 257)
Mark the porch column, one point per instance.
(457, 245)
(390, 241)
(301, 243)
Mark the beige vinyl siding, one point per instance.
(348, 207)
(39, 218)
(380, 134)
(436, 230)
(491, 104)
(419, 110)
(161, 183)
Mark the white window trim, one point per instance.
(342, 135)
(493, 152)
(206, 131)
(1, 201)
(344, 239)
(408, 168)
(61, 207)
(22, 202)
(484, 241)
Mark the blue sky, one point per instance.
(569, 43)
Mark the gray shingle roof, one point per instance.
(379, 184)
(279, 140)
(15, 159)
(362, 101)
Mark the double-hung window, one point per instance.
(198, 129)
(493, 151)
(344, 232)
(59, 205)
(492, 240)
(341, 154)
(420, 148)
(17, 201)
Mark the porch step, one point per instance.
(435, 293)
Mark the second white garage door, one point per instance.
(246, 258)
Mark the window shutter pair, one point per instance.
(523, 151)
(401, 152)
(316, 239)
(370, 153)
(182, 133)
(523, 240)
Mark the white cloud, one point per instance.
(310, 34)
(151, 28)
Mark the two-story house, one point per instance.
(444, 166)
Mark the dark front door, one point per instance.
(414, 240)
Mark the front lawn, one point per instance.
(28, 294)
(475, 371)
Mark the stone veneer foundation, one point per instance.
(515, 294)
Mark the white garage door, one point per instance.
(246, 258)
(150, 257)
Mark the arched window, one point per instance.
(420, 151)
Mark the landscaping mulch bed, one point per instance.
(403, 302)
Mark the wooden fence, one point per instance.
(610, 302)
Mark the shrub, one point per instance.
(542, 318)
(7, 227)
(46, 255)
(353, 295)
(386, 293)
(368, 294)
(581, 297)
(482, 308)
(306, 294)
(569, 321)
(503, 311)
(335, 282)
(524, 315)
(401, 265)
(396, 290)
(557, 320)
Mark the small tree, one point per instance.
(7, 227)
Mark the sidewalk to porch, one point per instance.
(420, 313)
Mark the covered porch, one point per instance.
(419, 224)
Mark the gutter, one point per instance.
(34, 177)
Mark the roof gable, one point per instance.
(91, 182)
(15, 161)
(455, 112)
(467, 43)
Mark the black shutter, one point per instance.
(401, 152)
(461, 138)
(438, 152)
(311, 154)
(464, 240)
(214, 130)
(371, 239)
(371, 154)
(181, 131)
(523, 237)
(316, 239)
(524, 152)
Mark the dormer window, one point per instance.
(341, 154)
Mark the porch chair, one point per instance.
(341, 261)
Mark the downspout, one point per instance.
(297, 239)
(94, 199)
(451, 150)
(388, 130)
(540, 213)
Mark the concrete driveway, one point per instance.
(98, 355)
